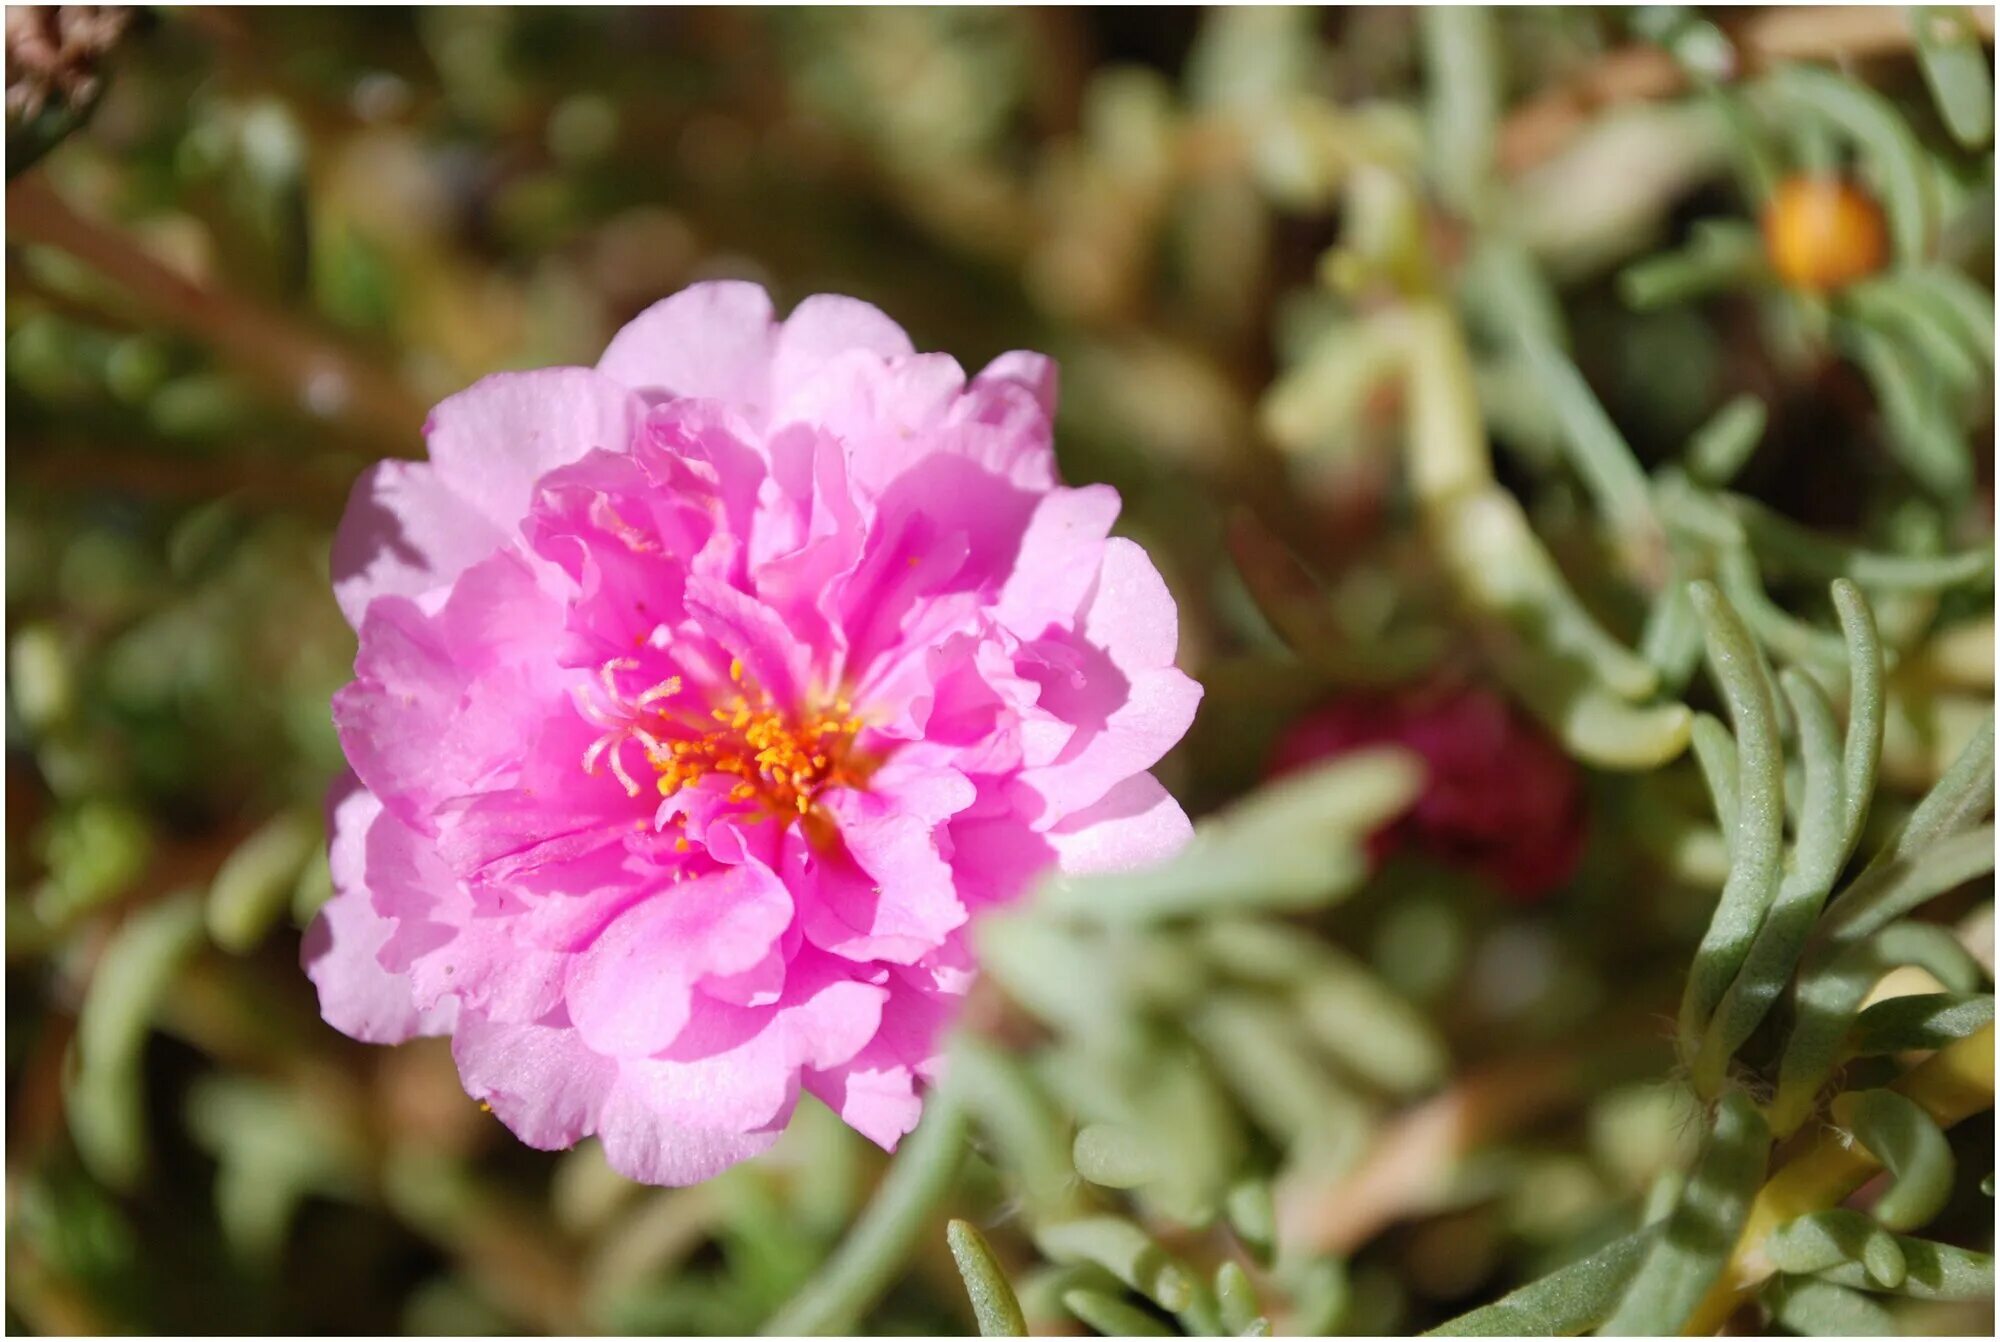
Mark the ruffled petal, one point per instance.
(642, 1144)
(539, 1078)
(492, 441)
(752, 633)
(1156, 712)
(737, 1069)
(882, 891)
(440, 703)
(405, 533)
(826, 325)
(631, 992)
(1136, 824)
(343, 947)
(709, 340)
(876, 1095)
(1034, 373)
(1062, 550)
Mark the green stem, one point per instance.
(869, 1259)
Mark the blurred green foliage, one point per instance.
(1436, 345)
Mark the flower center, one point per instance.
(779, 758)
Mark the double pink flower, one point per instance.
(702, 698)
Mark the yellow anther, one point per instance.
(777, 760)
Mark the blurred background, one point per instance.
(247, 248)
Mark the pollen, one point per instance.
(780, 759)
(775, 759)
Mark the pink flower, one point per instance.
(1499, 799)
(701, 698)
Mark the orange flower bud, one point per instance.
(1823, 233)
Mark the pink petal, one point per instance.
(642, 1144)
(1131, 614)
(540, 1079)
(737, 1069)
(751, 632)
(709, 340)
(876, 1095)
(875, 1092)
(630, 993)
(883, 409)
(1156, 713)
(1136, 824)
(998, 858)
(1062, 550)
(342, 949)
(484, 968)
(404, 533)
(884, 894)
(826, 325)
(425, 718)
(492, 441)
(1036, 373)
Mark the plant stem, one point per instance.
(299, 367)
(875, 1249)
(1954, 1084)
(1540, 128)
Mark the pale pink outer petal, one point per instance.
(420, 725)
(540, 1079)
(876, 1092)
(876, 1095)
(404, 533)
(486, 968)
(641, 1143)
(631, 991)
(1025, 368)
(443, 954)
(1061, 551)
(342, 949)
(1136, 824)
(1155, 714)
(828, 324)
(492, 441)
(882, 409)
(710, 340)
(1131, 616)
(738, 1069)
(552, 1092)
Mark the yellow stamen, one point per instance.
(779, 760)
